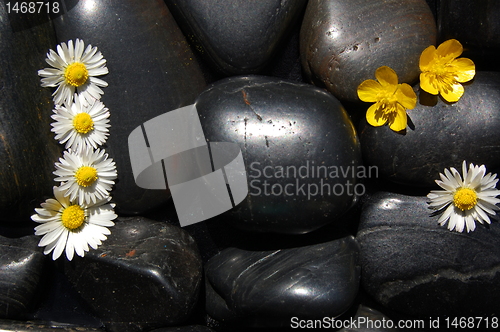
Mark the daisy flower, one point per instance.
(74, 69)
(67, 226)
(391, 100)
(442, 72)
(81, 125)
(86, 176)
(465, 200)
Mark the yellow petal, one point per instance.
(368, 90)
(451, 48)
(452, 93)
(426, 58)
(428, 83)
(406, 96)
(375, 115)
(400, 120)
(464, 69)
(386, 76)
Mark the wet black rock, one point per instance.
(267, 288)
(21, 268)
(369, 320)
(152, 71)
(145, 275)
(439, 136)
(412, 265)
(238, 37)
(476, 26)
(343, 42)
(296, 140)
(27, 146)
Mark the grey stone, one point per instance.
(439, 136)
(238, 37)
(145, 275)
(342, 43)
(27, 146)
(287, 126)
(21, 269)
(412, 265)
(267, 288)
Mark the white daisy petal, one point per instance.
(69, 227)
(74, 66)
(471, 196)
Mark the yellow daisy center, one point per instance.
(85, 176)
(83, 123)
(76, 74)
(73, 217)
(465, 199)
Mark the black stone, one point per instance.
(191, 328)
(281, 124)
(152, 71)
(369, 320)
(21, 268)
(238, 37)
(343, 42)
(439, 136)
(267, 288)
(28, 326)
(412, 265)
(145, 275)
(475, 24)
(27, 146)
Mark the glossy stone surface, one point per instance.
(281, 126)
(476, 25)
(27, 146)
(152, 71)
(239, 37)
(412, 265)
(145, 275)
(21, 268)
(266, 288)
(342, 43)
(440, 136)
(368, 320)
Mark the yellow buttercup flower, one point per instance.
(442, 72)
(391, 99)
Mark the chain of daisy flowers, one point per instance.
(466, 198)
(81, 212)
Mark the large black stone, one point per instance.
(152, 71)
(293, 127)
(27, 146)
(145, 275)
(342, 43)
(439, 136)
(268, 288)
(412, 265)
(239, 37)
(476, 24)
(21, 268)
(369, 320)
